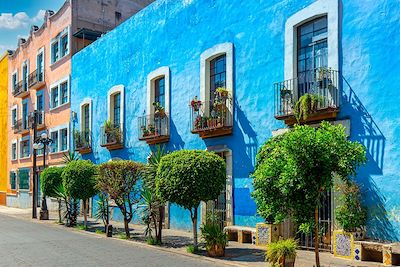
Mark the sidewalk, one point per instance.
(175, 241)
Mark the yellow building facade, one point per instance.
(3, 127)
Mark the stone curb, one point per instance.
(132, 242)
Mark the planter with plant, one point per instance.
(222, 93)
(282, 253)
(215, 239)
(324, 77)
(195, 104)
(159, 110)
(307, 105)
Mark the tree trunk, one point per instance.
(85, 213)
(194, 222)
(316, 238)
(126, 224)
(59, 210)
(160, 221)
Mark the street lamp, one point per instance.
(42, 142)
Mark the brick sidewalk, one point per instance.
(176, 242)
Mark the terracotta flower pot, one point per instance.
(216, 251)
(287, 262)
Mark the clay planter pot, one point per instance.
(216, 251)
(287, 262)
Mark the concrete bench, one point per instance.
(241, 234)
(386, 253)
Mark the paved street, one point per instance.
(24, 243)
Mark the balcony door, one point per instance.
(40, 67)
(312, 53)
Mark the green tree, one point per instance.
(187, 177)
(119, 179)
(293, 172)
(79, 182)
(50, 181)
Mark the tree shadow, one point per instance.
(366, 131)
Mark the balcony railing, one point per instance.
(213, 118)
(20, 89)
(154, 129)
(323, 83)
(21, 126)
(36, 79)
(112, 137)
(82, 141)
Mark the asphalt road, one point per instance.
(25, 243)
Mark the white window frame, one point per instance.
(205, 59)
(23, 139)
(14, 142)
(329, 8)
(58, 130)
(25, 63)
(110, 103)
(15, 107)
(41, 51)
(58, 86)
(86, 101)
(151, 78)
(11, 80)
(63, 33)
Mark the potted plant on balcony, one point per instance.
(222, 93)
(215, 238)
(108, 130)
(306, 105)
(195, 104)
(78, 139)
(152, 129)
(159, 110)
(145, 132)
(324, 77)
(282, 253)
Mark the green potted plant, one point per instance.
(215, 239)
(222, 92)
(306, 105)
(282, 253)
(158, 109)
(108, 130)
(195, 104)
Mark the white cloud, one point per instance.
(19, 20)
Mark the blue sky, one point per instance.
(17, 16)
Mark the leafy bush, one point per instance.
(79, 181)
(102, 212)
(119, 179)
(213, 235)
(187, 177)
(191, 249)
(50, 180)
(350, 214)
(278, 252)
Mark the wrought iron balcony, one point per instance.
(112, 137)
(154, 129)
(321, 83)
(36, 80)
(21, 126)
(213, 118)
(21, 89)
(83, 141)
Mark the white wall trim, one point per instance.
(151, 77)
(86, 101)
(316, 9)
(114, 90)
(205, 58)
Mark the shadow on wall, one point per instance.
(367, 132)
(175, 142)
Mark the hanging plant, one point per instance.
(306, 105)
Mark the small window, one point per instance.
(13, 180)
(14, 151)
(14, 80)
(117, 109)
(54, 145)
(54, 97)
(86, 118)
(64, 139)
(64, 92)
(39, 67)
(118, 16)
(25, 115)
(54, 52)
(39, 101)
(159, 94)
(23, 179)
(14, 116)
(25, 149)
(217, 76)
(64, 45)
(25, 76)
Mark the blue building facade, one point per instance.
(173, 51)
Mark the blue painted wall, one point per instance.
(174, 33)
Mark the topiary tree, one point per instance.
(50, 181)
(294, 171)
(79, 182)
(119, 179)
(187, 177)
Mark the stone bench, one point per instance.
(386, 253)
(241, 234)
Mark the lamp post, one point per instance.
(42, 142)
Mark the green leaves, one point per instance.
(295, 169)
(187, 177)
(50, 180)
